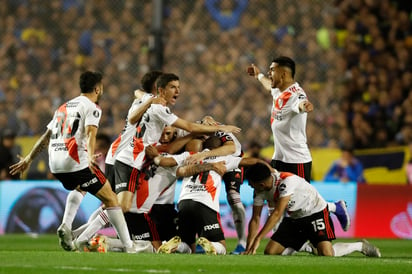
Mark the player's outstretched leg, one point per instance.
(369, 249)
(342, 214)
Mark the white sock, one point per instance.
(342, 249)
(220, 249)
(73, 201)
(331, 207)
(114, 244)
(83, 227)
(183, 248)
(116, 218)
(144, 246)
(98, 223)
(288, 251)
(239, 217)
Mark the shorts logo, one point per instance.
(211, 227)
(120, 185)
(92, 181)
(145, 235)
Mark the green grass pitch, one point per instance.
(42, 254)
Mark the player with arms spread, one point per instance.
(71, 138)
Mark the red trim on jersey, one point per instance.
(116, 144)
(133, 179)
(152, 227)
(284, 175)
(142, 190)
(71, 146)
(137, 146)
(328, 228)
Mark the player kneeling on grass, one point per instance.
(307, 217)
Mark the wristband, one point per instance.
(260, 76)
(157, 159)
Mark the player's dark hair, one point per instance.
(257, 173)
(212, 142)
(284, 61)
(89, 80)
(165, 78)
(149, 80)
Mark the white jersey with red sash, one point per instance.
(205, 187)
(148, 132)
(304, 201)
(127, 133)
(149, 190)
(288, 125)
(67, 147)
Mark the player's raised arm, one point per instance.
(254, 71)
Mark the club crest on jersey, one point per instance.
(280, 103)
(96, 114)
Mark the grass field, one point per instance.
(42, 254)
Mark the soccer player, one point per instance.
(307, 216)
(288, 122)
(198, 205)
(233, 179)
(71, 137)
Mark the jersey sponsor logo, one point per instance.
(195, 188)
(92, 181)
(141, 236)
(211, 227)
(59, 147)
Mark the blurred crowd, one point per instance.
(354, 60)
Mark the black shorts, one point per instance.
(165, 218)
(109, 172)
(87, 180)
(126, 177)
(316, 228)
(141, 227)
(302, 170)
(196, 218)
(233, 179)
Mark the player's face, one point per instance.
(99, 90)
(171, 92)
(274, 74)
(167, 135)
